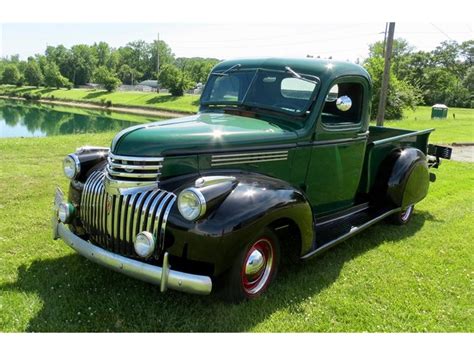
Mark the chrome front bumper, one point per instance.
(163, 276)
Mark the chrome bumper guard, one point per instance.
(163, 276)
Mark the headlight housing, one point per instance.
(191, 204)
(71, 166)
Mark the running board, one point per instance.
(354, 224)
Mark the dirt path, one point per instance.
(463, 153)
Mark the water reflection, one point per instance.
(31, 120)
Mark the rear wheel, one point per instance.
(402, 217)
(254, 268)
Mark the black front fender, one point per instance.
(255, 202)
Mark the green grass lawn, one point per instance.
(458, 128)
(186, 103)
(399, 279)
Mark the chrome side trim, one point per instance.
(212, 180)
(244, 158)
(352, 232)
(249, 154)
(176, 280)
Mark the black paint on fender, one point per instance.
(255, 202)
(403, 178)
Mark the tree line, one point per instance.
(99, 63)
(443, 75)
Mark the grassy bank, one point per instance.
(389, 278)
(185, 104)
(458, 127)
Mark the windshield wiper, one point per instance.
(224, 73)
(295, 74)
(299, 76)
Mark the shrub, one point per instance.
(175, 80)
(105, 77)
(401, 95)
(108, 103)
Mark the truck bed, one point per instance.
(382, 141)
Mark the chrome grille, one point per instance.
(113, 221)
(128, 168)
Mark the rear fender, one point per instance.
(404, 176)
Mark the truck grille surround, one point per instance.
(139, 169)
(113, 220)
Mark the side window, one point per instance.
(343, 105)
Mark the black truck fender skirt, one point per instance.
(408, 179)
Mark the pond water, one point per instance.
(23, 119)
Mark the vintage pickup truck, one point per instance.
(280, 162)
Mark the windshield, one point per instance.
(267, 89)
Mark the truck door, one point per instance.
(338, 147)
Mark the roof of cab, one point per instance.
(323, 68)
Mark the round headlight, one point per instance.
(65, 212)
(71, 166)
(191, 204)
(144, 244)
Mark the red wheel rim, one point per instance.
(258, 266)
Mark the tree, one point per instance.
(11, 75)
(53, 77)
(174, 79)
(107, 78)
(62, 57)
(401, 94)
(198, 69)
(33, 74)
(83, 63)
(468, 81)
(129, 75)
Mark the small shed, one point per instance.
(439, 111)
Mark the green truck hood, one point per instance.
(205, 131)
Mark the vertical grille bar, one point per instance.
(129, 215)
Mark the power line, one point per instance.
(440, 30)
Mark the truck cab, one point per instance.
(279, 162)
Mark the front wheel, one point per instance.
(254, 268)
(402, 217)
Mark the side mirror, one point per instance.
(344, 103)
(333, 93)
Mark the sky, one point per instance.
(342, 41)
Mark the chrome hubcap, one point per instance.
(255, 263)
(258, 266)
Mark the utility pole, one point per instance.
(386, 75)
(157, 61)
